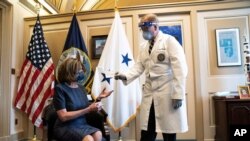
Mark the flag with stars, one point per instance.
(121, 106)
(36, 84)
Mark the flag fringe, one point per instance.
(132, 117)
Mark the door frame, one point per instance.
(5, 68)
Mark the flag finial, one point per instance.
(38, 7)
(116, 7)
(74, 7)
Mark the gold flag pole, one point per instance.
(74, 7)
(116, 9)
(120, 136)
(38, 7)
(34, 136)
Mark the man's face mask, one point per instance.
(80, 76)
(147, 35)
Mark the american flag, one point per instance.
(36, 84)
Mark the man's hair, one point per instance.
(150, 18)
(68, 69)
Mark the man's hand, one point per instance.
(176, 103)
(120, 76)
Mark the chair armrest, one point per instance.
(104, 114)
(49, 119)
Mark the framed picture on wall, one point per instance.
(174, 30)
(98, 43)
(228, 47)
(244, 92)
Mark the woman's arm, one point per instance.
(65, 115)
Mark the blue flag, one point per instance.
(75, 46)
(74, 37)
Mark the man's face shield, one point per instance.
(146, 25)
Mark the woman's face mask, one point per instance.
(80, 76)
(147, 35)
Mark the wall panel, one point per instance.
(213, 78)
(240, 22)
(101, 27)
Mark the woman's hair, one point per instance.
(68, 69)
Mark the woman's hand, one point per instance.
(104, 94)
(96, 106)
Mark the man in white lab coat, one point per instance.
(163, 107)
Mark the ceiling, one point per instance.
(67, 6)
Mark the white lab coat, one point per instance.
(166, 71)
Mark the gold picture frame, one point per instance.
(98, 43)
(244, 92)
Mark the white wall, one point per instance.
(18, 52)
(19, 13)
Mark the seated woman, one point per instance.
(71, 104)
